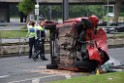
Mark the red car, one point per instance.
(77, 45)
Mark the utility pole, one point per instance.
(50, 11)
(107, 12)
(65, 9)
(37, 10)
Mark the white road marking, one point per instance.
(68, 76)
(37, 80)
(33, 79)
(4, 76)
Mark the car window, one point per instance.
(121, 24)
(113, 24)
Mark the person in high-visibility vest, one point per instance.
(31, 35)
(40, 37)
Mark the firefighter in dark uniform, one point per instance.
(40, 37)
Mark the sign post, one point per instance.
(65, 9)
(37, 11)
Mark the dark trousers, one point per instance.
(31, 44)
(40, 48)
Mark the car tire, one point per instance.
(52, 66)
(89, 65)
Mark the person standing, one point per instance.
(40, 37)
(31, 35)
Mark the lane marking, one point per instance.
(4, 76)
(33, 78)
(37, 80)
(68, 76)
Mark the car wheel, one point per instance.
(89, 65)
(52, 66)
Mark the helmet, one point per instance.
(94, 19)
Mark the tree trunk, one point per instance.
(117, 10)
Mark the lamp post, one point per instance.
(107, 12)
(37, 10)
(50, 12)
(65, 9)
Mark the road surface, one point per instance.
(24, 70)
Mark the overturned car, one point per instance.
(77, 44)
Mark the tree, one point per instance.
(85, 10)
(56, 11)
(26, 6)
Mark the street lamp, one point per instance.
(37, 10)
(50, 12)
(65, 9)
(107, 12)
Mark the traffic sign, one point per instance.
(36, 11)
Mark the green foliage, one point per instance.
(56, 11)
(74, 11)
(26, 6)
(23, 27)
(44, 10)
(105, 1)
(122, 10)
(103, 78)
(96, 10)
(122, 14)
(85, 10)
(13, 33)
(14, 12)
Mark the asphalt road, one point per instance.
(117, 54)
(11, 26)
(24, 70)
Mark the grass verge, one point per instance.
(12, 33)
(116, 77)
(15, 33)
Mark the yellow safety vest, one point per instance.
(41, 29)
(31, 32)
